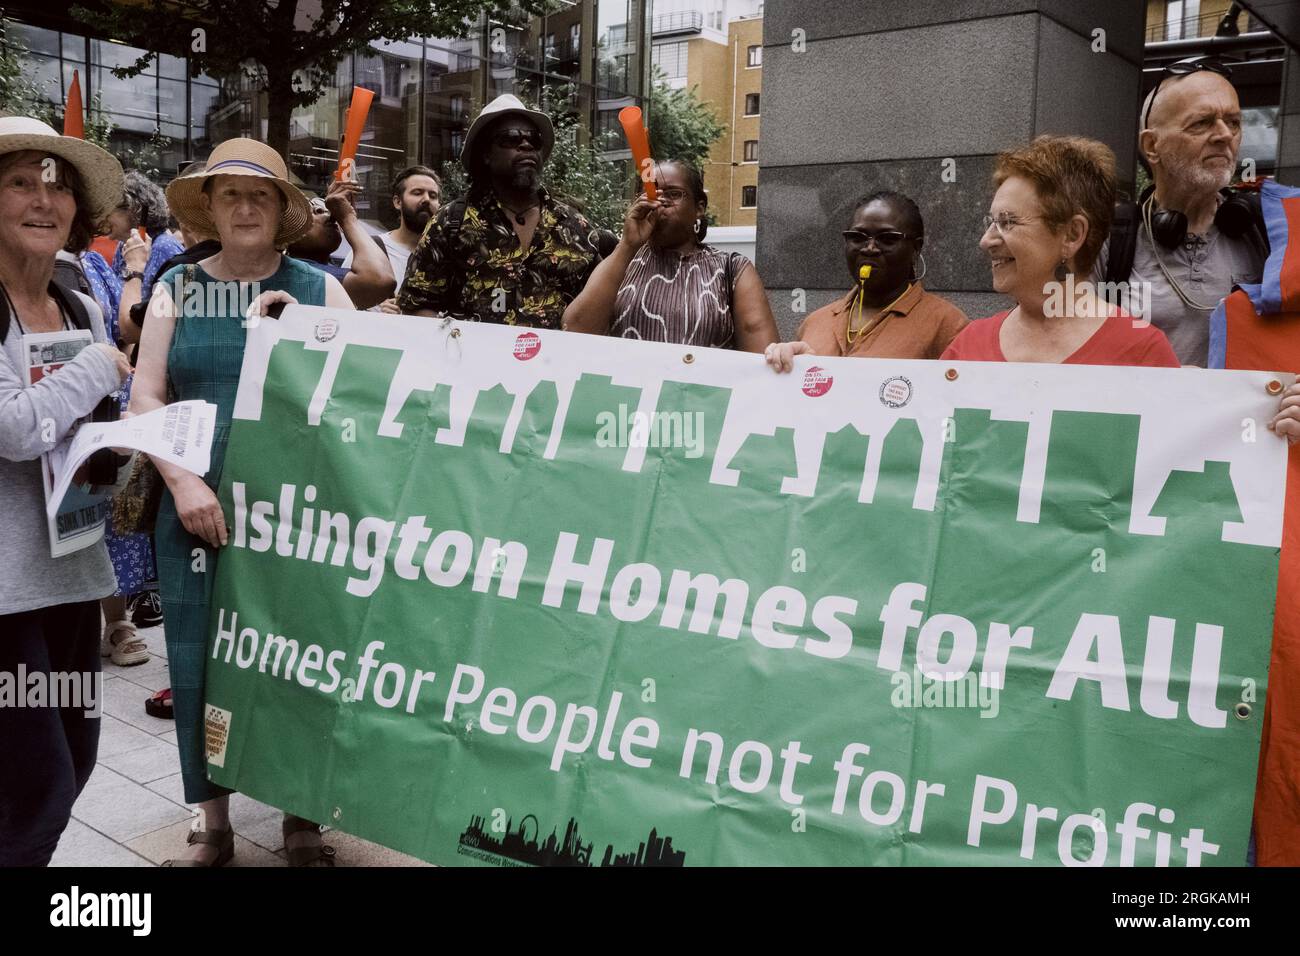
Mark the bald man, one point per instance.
(1190, 137)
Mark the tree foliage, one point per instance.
(290, 49)
(680, 125)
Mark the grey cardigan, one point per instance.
(29, 577)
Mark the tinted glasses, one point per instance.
(514, 137)
(885, 241)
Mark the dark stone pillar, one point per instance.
(883, 93)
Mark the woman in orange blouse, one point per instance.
(887, 313)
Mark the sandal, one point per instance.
(160, 705)
(129, 650)
(224, 840)
(305, 855)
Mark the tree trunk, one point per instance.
(279, 103)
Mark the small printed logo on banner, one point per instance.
(817, 381)
(326, 329)
(896, 392)
(216, 732)
(527, 345)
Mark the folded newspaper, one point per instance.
(180, 433)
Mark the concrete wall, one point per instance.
(1288, 118)
(884, 94)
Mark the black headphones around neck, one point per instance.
(1235, 217)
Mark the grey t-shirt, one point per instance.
(1205, 267)
(29, 577)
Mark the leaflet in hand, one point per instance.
(180, 433)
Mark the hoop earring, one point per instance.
(915, 277)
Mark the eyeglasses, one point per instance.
(515, 137)
(885, 241)
(1005, 223)
(673, 196)
(1208, 62)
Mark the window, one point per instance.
(671, 58)
(457, 107)
(751, 104)
(755, 56)
(751, 150)
(1181, 19)
(748, 197)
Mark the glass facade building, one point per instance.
(590, 57)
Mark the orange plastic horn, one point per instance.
(74, 117)
(639, 142)
(353, 124)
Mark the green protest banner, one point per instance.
(509, 597)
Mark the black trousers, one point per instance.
(46, 751)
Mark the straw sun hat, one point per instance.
(100, 173)
(241, 157)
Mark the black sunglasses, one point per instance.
(885, 241)
(1209, 62)
(515, 137)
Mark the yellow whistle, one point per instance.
(864, 273)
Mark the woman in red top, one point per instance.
(1047, 222)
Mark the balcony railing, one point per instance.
(683, 21)
(1190, 28)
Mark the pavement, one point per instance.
(133, 810)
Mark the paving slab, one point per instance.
(153, 761)
(122, 809)
(82, 846)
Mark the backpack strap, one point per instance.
(456, 216)
(68, 301)
(70, 275)
(379, 241)
(72, 304)
(1257, 233)
(1123, 241)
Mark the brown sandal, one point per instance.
(224, 840)
(305, 855)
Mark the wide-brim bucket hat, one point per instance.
(240, 157)
(101, 173)
(505, 105)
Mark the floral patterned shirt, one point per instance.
(480, 272)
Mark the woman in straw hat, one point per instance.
(52, 188)
(243, 197)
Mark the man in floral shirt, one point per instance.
(508, 252)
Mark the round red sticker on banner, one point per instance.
(527, 345)
(817, 381)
